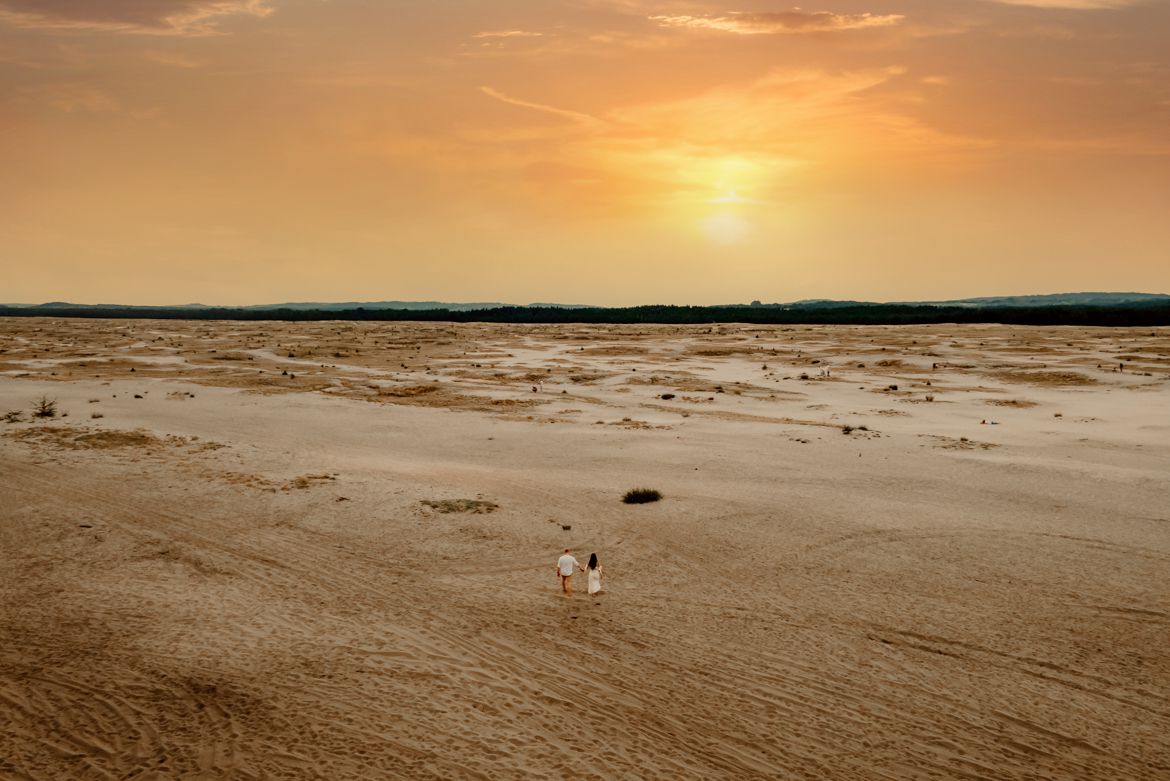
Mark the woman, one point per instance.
(594, 571)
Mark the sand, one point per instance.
(327, 551)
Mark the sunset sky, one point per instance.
(581, 151)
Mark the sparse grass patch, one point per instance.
(409, 391)
(1018, 403)
(13, 416)
(641, 496)
(93, 439)
(307, 481)
(477, 506)
(1045, 378)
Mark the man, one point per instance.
(565, 565)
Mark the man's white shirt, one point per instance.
(567, 563)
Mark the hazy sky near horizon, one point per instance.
(581, 151)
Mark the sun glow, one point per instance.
(726, 227)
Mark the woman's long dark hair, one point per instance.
(593, 561)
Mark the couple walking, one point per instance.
(567, 563)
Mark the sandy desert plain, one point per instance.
(325, 550)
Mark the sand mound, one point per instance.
(1045, 378)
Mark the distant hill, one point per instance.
(986, 302)
(1058, 299)
(996, 302)
(306, 306)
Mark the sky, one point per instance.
(611, 152)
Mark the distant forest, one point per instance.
(1133, 314)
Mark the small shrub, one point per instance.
(847, 430)
(667, 396)
(96, 415)
(641, 496)
(45, 408)
(13, 416)
(930, 397)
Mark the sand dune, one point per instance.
(326, 551)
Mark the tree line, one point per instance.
(1134, 314)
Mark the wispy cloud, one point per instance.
(72, 98)
(174, 59)
(1077, 5)
(153, 17)
(779, 23)
(508, 34)
(576, 116)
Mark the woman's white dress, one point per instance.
(594, 580)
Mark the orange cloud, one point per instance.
(785, 22)
(155, 17)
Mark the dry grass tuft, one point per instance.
(477, 506)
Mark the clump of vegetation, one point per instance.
(45, 408)
(930, 397)
(641, 496)
(1018, 403)
(478, 506)
(667, 396)
(13, 416)
(847, 430)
